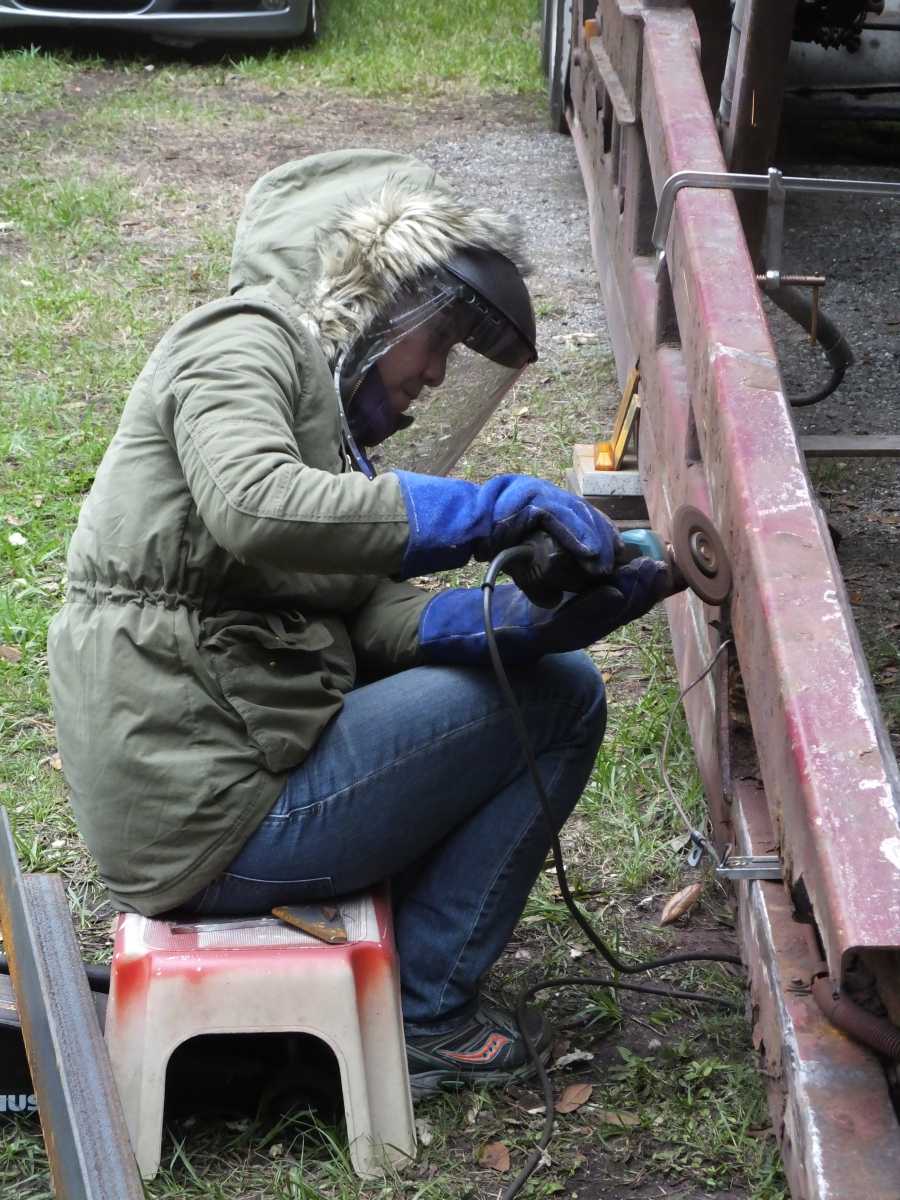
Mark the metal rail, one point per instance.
(716, 432)
(773, 182)
(81, 1116)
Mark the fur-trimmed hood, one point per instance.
(342, 232)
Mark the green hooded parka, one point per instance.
(229, 573)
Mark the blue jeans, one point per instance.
(420, 779)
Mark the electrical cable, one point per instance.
(837, 350)
(696, 836)
(495, 567)
(97, 974)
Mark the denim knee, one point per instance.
(575, 676)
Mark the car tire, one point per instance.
(313, 30)
(547, 11)
(560, 13)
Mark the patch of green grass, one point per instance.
(398, 47)
(48, 207)
(395, 47)
(31, 78)
(172, 95)
(702, 1116)
(626, 797)
(298, 1157)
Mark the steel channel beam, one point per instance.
(81, 1115)
(717, 432)
(831, 779)
(828, 1096)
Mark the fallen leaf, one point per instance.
(573, 1097)
(56, 762)
(625, 1120)
(495, 1156)
(676, 906)
(574, 1056)
(856, 598)
(10, 654)
(12, 519)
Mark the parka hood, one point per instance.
(342, 232)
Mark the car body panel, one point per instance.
(187, 20)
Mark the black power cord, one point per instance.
(496, 566)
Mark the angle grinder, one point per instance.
(695, 559)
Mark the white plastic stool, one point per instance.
(174, 981)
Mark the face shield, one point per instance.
(431, 373)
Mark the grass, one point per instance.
(486, 45)
(393, 48)
(30, 79)
(101, 246)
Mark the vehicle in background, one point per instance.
(173, 22)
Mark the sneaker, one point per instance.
(488, 1049)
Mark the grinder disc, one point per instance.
(700, 555)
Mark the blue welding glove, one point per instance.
(452, 520)
(451, 628)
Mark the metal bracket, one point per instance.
(775, 184)
(608, 455)
(750, 866)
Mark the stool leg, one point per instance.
(140, 1074)
(384, 1047)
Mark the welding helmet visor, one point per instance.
(461, 348)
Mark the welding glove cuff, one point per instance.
(452, 520)
(451, 628)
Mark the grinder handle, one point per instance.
(551, 570)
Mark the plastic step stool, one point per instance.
(172, 981)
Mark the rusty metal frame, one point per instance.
(81, 1116)
(716, 432)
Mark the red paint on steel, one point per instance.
(716, 432)
(832, 783)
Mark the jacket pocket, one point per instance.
(269, 667)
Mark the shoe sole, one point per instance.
(442, 1079)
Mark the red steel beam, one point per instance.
(828, 1096)
(716, 432)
